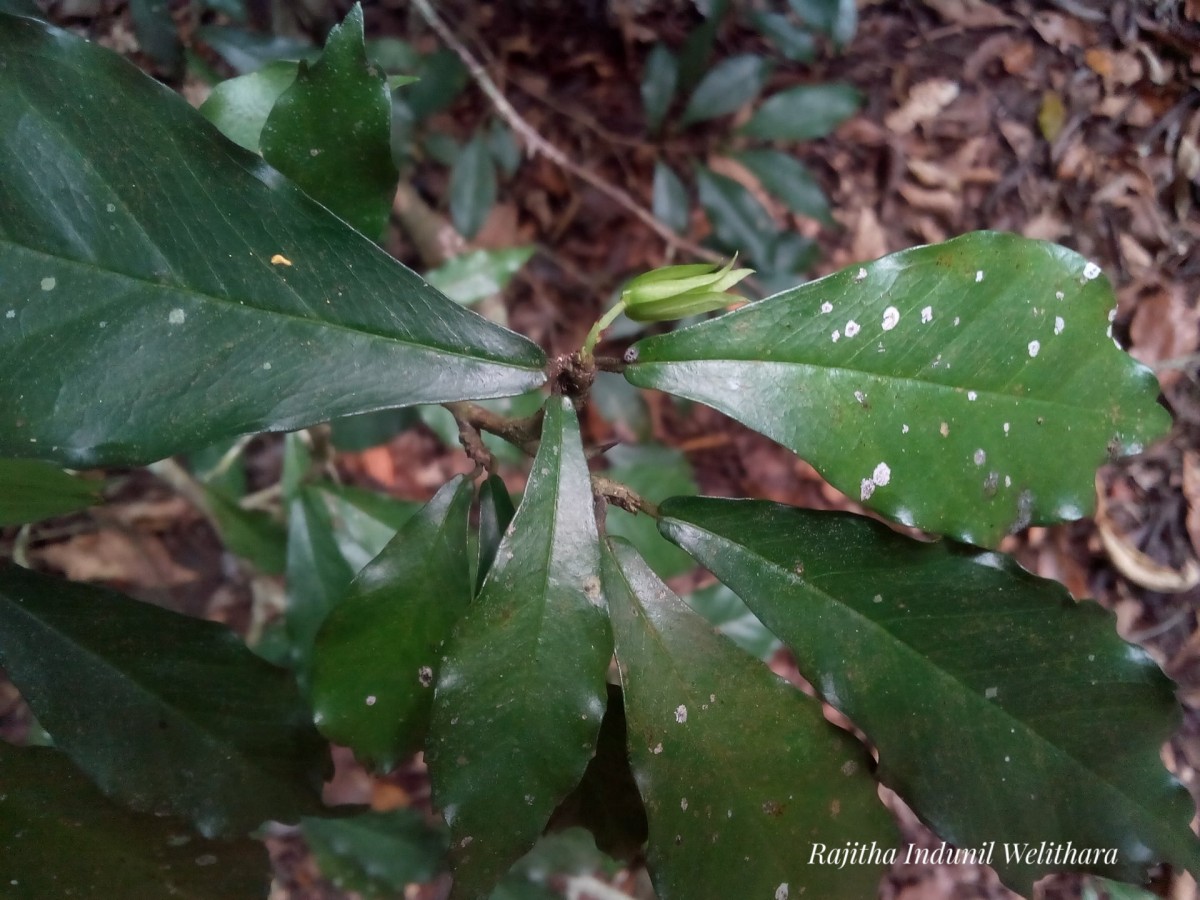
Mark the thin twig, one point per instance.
(522, 433)
(536, 144)
(622, 495)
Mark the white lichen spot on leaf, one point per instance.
(927, 315)
(1034, 347)
(48, 283)
(176, 317)
(681, 714)
(891, 317)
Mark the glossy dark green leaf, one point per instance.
(247, 51)
(837, 18)
(730, 615)
(442, 78)
(727, 87)
(696, 53)
(178, 314)
(521, 693)
(474, 276)
(503, 146)
(330, 131)
(472, 187)
(367, 430)
(670, 201)
(318, 576)
(562, 864)
(378, 654)
(165, 713)
(968, 388)
(1002, 709)
(377, 854)
(789, 181)
(740, 772)
(251, 534)
(239, 106)
(739, 222)
(804, 112)
(63, 838)
(793, 43)
(655, 473)
(157, 34)
(32, 490)
(658, 85)
(495, 512)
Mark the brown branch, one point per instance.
(536, 144)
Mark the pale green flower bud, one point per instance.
(674, 292)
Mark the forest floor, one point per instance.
(1076, 121)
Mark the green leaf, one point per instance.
(330, 132)
(377, 854)
(968, 388)
(156, 33)
(792, 43)
(393, 55)
(728, 86)
(562, 864)
(658, 85)
(32, 490)
(378, 654)
(804, 112)
(364, 521)
(442, 77)
(169, 324)
(472, 187)
(495, 512)
(318, 576)
(63, 838)
(247, 51)
(502, 144)
(836, 18)
(521, 694)
(671, 204)
(729, 614)
(697, 50)
(239, 106)
(249, 533)
(297, 467)
(367, 430)
(165, 713)
(655, 472)
(739, 221)
(473, 276)
(788, 180)
(1054, 721)
(739, 771)
(21, 8)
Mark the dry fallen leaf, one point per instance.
(924, 102)
(116, 556)
(971, 13)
